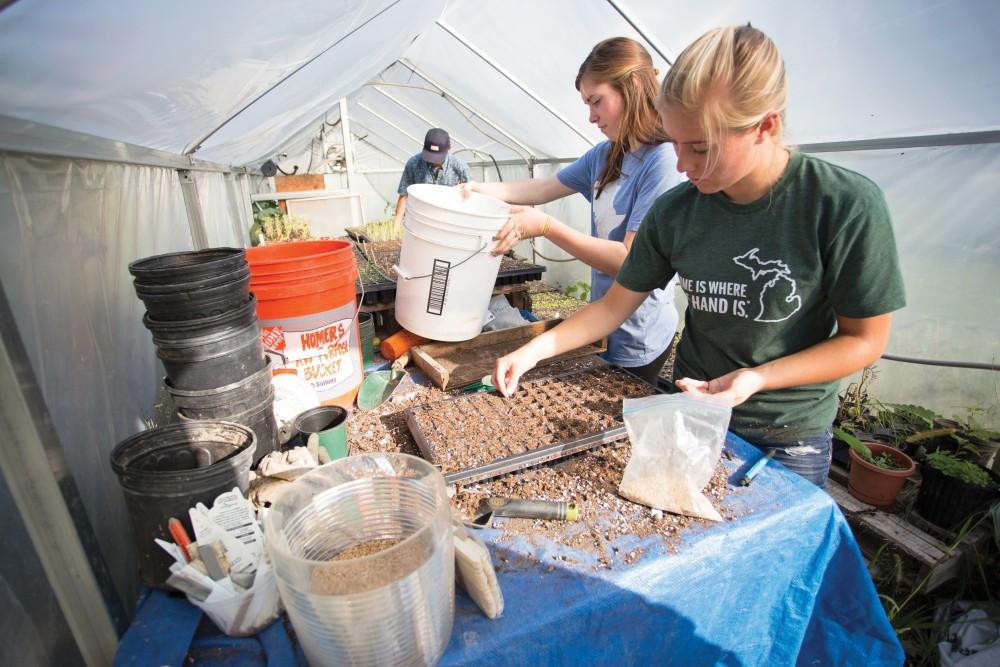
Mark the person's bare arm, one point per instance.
(857, 343)
(400, 209)
(603, 254)
(594, 321)
(531, 192)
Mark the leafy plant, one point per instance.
(883, 460)
(916, 416)
(265, 209)
(280, 228)
(856, 409)
(953, 466)
(580, 290)
(383, 230)
(554, 304)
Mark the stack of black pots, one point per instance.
(204, 323)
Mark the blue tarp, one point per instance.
(781, 584)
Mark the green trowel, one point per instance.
(378, 387)
(485, 383)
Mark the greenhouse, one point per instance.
(331, 334)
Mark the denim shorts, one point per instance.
(809, 457)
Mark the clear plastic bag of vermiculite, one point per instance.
(677, 440)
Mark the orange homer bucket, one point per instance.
(307, 310)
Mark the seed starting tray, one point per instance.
(375, 261)
(471, 437)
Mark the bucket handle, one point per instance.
(405, 276)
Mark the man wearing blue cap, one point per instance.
(433, 165)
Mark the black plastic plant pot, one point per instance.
(182, 330)
(841, 452)
(165, 471)
(187, 266)
(948, 501)
(197, 303)
(204, 283)
(215, 360)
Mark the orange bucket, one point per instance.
(308, 314)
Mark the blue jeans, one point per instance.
(809, 457)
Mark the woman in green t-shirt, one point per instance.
(789, 262)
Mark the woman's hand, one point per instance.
(469, 187)
(510, 368)
(524, 223)
(734, 387)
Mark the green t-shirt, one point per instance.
(767, 279)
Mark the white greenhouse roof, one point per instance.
(245, 80)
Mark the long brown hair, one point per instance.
(625, 65)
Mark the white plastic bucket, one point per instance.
(446, 272)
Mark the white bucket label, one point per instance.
(439, 287)
(326, 356)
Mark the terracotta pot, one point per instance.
(878, 486)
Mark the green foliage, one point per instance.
(952, 466)
(917, 438)
(383, 230)
(915, 415)
(580, 290)
(883, 460)
(863, 450)
(554, 304)
(275, 226)
(265, 209)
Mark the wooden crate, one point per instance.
(927, 554)
(450, 365)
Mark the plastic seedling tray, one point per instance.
(478, 436)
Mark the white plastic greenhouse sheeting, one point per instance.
(165, 75)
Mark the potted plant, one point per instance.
(953, 488)
(878, 471)
(856, 414)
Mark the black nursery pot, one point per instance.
(948, 501)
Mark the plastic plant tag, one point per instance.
(676, 441)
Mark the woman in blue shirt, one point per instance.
(621, 178)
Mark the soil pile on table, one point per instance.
(591, 481)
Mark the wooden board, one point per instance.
(299, 182)
(451, 365)
(933, 559)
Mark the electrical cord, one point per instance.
(948, 364)
(550, 259)
(496, 166)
